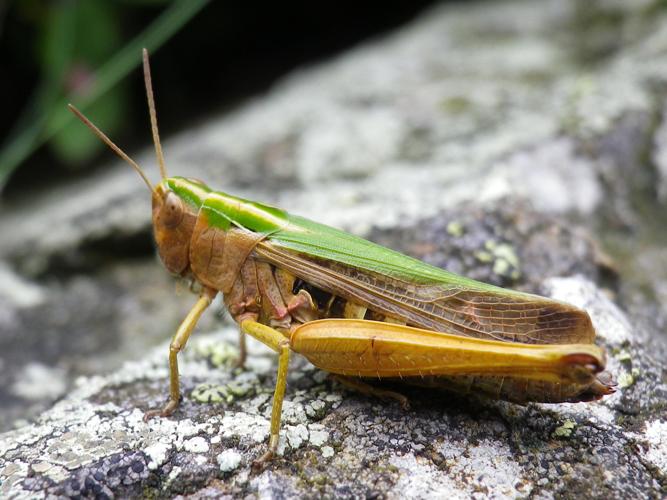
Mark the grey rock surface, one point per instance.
(511, 142)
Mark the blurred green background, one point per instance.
(205, 55)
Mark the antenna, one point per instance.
(110, 143)
(151, 110)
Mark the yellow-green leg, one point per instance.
(177, 344)
(276, 341)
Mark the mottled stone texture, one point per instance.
(521, 143)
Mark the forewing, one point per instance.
(444, 307)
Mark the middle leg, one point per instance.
(276, 341)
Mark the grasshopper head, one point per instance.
(174, 208)
(173, 223)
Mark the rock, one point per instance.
(94, 440)
(479, 138)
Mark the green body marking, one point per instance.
(318, 240)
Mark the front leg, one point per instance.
(177, 344)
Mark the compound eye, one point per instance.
(172, 210)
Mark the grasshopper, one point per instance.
(356, 309)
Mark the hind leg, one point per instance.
(358, 385)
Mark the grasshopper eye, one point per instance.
(172, 210)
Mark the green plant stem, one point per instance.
(53, 120)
